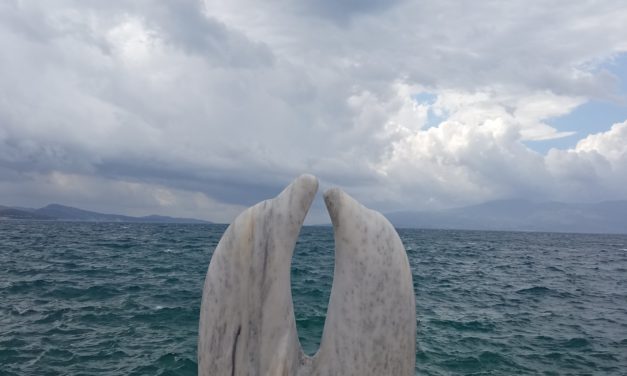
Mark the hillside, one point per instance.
(522, 215)
(68, 213)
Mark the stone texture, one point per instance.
(247, 324)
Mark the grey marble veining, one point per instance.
(247, 324)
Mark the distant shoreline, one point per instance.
(57, 212)
(608, 217)
(325, 226)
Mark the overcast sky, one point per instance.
(199, 109)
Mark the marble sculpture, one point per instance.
(247, 324)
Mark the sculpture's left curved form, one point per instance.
(247, 322)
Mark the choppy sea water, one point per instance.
(123, 299)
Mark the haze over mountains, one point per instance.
(522, 215)
(505, 215)
(68, 213)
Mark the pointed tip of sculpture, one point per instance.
(304, 188)
(332, 199)
(335, 199)
(307, 180)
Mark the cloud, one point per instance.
(596, 167)
(231, 100)
(476, 154)
(611, 144)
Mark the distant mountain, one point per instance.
(30, 210)
(522, 215)
(13, 213)
(68, 213)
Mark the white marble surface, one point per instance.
(371, 320)
(247, 324)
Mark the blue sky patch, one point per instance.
(592, 117)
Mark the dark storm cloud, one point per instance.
(184, 24)
(342, 11)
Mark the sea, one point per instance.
(123, 299)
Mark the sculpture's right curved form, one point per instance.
(247, 324)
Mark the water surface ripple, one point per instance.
(123, 299)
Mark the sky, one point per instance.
(202, 108)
